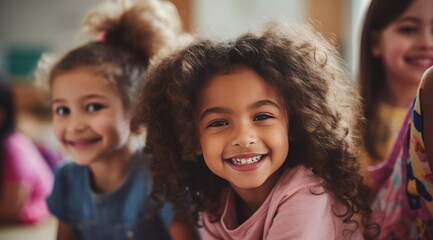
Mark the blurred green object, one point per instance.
(21, 61)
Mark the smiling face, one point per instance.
(406, 45)
(89, 120)
(243, 128)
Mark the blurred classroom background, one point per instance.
(29, 28)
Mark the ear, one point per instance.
(198, 152)
(376, 47)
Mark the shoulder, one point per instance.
(301, 198)
(23, 160)
(69, 172)
(298, 188)
(69, 185)
(16, 143)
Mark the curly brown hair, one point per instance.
(307, 72)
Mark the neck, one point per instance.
(249, 200)
(109, 174)
(399, 94)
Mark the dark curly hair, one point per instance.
(305, 70)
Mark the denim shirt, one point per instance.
(125, 213)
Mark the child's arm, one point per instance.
(11, 200)
(183, 230)
(426, 98)
(64, 231)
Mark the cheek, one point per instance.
(211, 148)
(58, 128)
(114, 130)
(281, 141)
(398, 47)
(278, 139)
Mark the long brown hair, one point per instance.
(371, 75)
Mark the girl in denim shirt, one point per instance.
(104, 193)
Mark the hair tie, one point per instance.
(101, 37)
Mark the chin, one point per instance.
(247, 184)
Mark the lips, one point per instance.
(246, 162)
(421, 61)
(82, 143)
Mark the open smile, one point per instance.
(420, 61)
(83, 142)
(246, 161)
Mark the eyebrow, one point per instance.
(255, 105)
(408, 19)
(87, 97)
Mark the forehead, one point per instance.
(81, 81)
(419, 9)
(241, 86)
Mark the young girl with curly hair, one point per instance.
(258, 136)
(104, 193)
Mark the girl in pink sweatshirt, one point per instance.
(258, 137)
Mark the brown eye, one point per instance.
(93, 107)
(62, 111)
(262, 117)
(218, 123)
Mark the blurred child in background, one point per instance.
(396, 48)
(404, 203)
(26, 179)
(105, 192)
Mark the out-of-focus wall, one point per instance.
(229, 18)
(55, 24)
(31, 26)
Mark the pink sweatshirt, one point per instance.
(291, 211)
(24, 164)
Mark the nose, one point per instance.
(426, 39)
(76, 123)
(244, 135)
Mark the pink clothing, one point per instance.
(290, 211)
(24, 164)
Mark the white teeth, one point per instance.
(422, 61)
(245, 161)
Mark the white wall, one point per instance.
(355, 14)
(229, 18)
(53, 24)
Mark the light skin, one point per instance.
(11, 201)
(92, 125)
(406, 49)
(243, 133)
